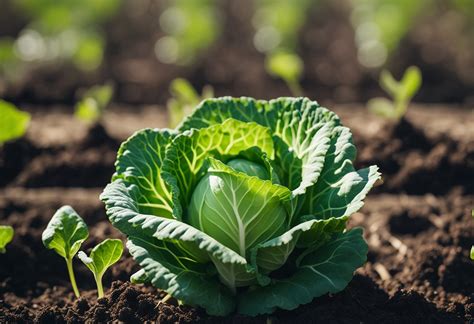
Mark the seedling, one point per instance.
(401, 93)
(64, 234)
(101, 258)
(190, 27)
(6, 236)
(13, 122)
(184, 99)
(93, 102)
(287, 66)
(381, 25)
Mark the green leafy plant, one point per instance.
(277, 23)
(288, 67)
(184, 99)
(94, 102)
(13, 122)
(243, 207)
(401, 93)
(65, 233)
(190, 28)
(102, 256)
(6, 236)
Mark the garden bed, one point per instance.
(417, 222)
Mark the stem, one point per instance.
(295, 87)
(100, 288)
(166, 298)
(70, 270)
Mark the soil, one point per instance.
(417, 223)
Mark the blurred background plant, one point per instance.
(93, 102)
(57, 31)
(13, 122)
(191, 26)
(401, 92)
(184, 99)
(277, 24)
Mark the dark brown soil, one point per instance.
(417, 224)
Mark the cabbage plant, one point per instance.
(243, 208)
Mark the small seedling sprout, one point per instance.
(401, 92)
(13, 122)
(94, 102)
(184, 99)
(64, 234)
(101, 258)
(287, 66)
(6, 236)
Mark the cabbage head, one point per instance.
(243, 207)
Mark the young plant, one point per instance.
(6, 236)
(65, 233)
(472, 248)
(184, 99)
(13, 122)
(93, 102)
(244, 206)
(287, 66)
(190, 28)
(102, 256)
(401, 93)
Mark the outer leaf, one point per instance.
(193, 288)
(238, 210)
(340, 190)
(186, 155)
(102, 256)
(6, 236)
(13, 122)
(174, 255)
(271, 255)
(327, 269)
(139, 162)
(65, 232)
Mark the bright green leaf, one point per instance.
(410, 83)
(102, 257)
(237, 210)
(13, 122)
(65, 232)
(6, 236)
(139, 162)
(93, 103)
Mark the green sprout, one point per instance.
(190, 27)
(102, 256)
(401, 93)
(288, 67)
(64, 234)
(6, 236)
(94, 102)
(184, 99)
(13, 122)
